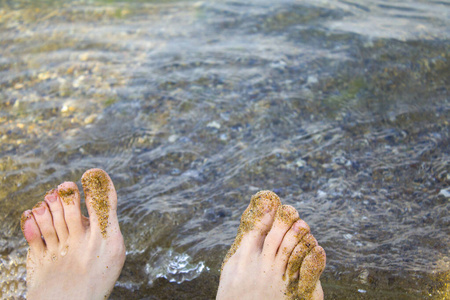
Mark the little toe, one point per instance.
(69, 198)
(285, 216)
(31, 232)
(290, 241)
(311, 269)
(101, 202)
(44, 220)
(57, 212)
(256, 222)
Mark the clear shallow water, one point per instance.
(340, 107)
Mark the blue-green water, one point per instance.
(340, 107)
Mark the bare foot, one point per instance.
(274, 255)
(71, 256)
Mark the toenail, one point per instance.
(299, 228)
(51, 198)
(50, 192)
(286, 214)
(39, 209)
(296, 227)
(66, 195)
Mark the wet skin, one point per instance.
(71, 256)
(274, 255)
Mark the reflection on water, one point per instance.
(340, 107)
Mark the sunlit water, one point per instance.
(340, 107)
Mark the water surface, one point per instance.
(340, 107)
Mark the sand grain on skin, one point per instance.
(96, 186)
(260, 203)
(25, 216)
(66, 195)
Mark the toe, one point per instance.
(101, 202)
(31, 232)
(305, 245)
(256, 222)
(44, 220)
(258, 219)
(69, 198)
(285, 216)
(290, 241)
(57, 213)
(310, 271)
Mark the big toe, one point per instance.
(256, 222)
(259, 215)
(101, 202)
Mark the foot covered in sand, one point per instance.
(71, 256)
(274, 256)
